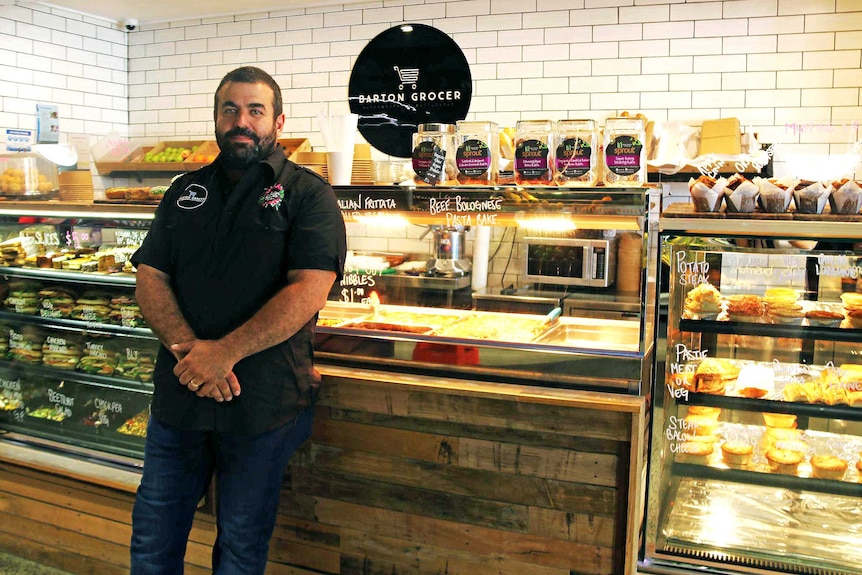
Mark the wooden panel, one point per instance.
(400, 477)
(512, 488)
(77, 526)
(438, 504)
(396, 442)
(585, 528)
(564, 465)
(64, 493)
(81, 564)
(489, 432)
(457, 537)
(64, 541)
(492, 412)
(412, 557)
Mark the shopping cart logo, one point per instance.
(407, 76)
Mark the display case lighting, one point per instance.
(383, 219)
(550, 223)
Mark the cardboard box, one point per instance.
(720, 137)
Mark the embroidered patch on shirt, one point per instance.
(193, 197)
(272, 197)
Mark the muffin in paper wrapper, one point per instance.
(743, 197)
(774, 199)
(811, 198)
(847, 199)
(706, 193)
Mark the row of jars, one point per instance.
(543, 152)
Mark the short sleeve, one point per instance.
(155, 249)
(317, 238)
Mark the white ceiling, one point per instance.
(150, 11)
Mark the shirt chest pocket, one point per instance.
(265, 232)
(191, 234)
(265, 221)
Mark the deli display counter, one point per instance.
(756, 443)
(69, 320)
(447, 402)
(517, 323)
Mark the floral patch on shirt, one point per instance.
(272, 197)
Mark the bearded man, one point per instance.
(240, 257)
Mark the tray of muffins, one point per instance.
(771, 198)
(766, 443)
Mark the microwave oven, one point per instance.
(570, 261)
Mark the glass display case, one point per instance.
(756, 443)
(76, 359)
(542, 285)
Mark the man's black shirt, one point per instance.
(227, 252)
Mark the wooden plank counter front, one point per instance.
(402, 476)
(416, 475)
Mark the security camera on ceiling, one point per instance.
(130, 24)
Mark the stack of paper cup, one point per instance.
(481, 259)
(339, 136)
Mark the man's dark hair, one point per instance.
(252, 75)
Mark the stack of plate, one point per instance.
(76, 186)
(362, 173)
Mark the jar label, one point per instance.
(623, 155)
(473, 158)
(531, 159)
(574, 157)
(429, 161)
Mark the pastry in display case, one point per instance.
(756, 457)
(28, 175)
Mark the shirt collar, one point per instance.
(276, 159)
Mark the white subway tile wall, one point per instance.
(788, 69)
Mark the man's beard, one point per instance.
(241, 155)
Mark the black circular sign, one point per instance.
(408, 75)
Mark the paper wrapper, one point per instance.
(707, 199)
(773, 199)
(847, 199)
(743, 199)
(811, 199)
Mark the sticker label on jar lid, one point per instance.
(623, 155)
(473, 158)
(531, 159)
(573, 157)
(429, 161)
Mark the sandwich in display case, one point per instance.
(76, 358)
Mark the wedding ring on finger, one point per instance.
(193, 385)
